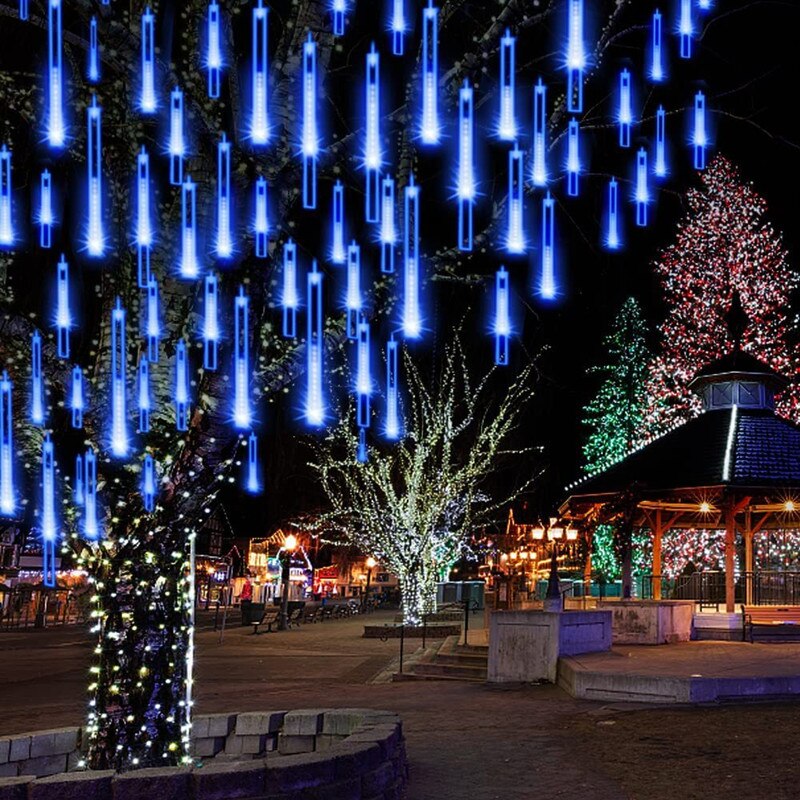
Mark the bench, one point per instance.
(771, 623)
(294, 617)
(268, 618)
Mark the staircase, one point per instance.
(450, 661)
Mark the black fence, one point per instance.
(765, 588)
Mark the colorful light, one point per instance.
(6, 197)
(363, 375)
(23, 10)
(90, 527)
(211, 322)
(539, 161)
(656, 72)
(37, 380)
(412, 316)
(339, 14)
(147, 91)
(398, 26)
(686, 28)
(261, 222)
(224, 239)
(642, 195)
(252, 484)
(149, 484)
(515, 235)
(119, 360)
(144, 230)
(372, 136)
(93, 69)
(214, 61)
(660, 167)
(152, 324)
(392, 426)
(63, 313)
(338, 254)
(181, 392)
(612, 237)
(289, 297)
(95, 236)
(242, 415)
(466, 185)
(576, 56)
(56, 127)
(46, 218)
(625, 111)
(76, 397)
(48, 513)
(547, 280)
(314, 403)
(699, 131)
(189, 265)
(388, 236)
(573, 158)
(177, 141)
(7, 493)
(430, 129)
(704, 5)
(259, 114)
(143, 394)
(502, 317)
(310, 129)
(353, 292)
(507, 117)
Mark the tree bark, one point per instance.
(417, 595)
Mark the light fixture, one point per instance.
(789, 505)
(290, 543)
(513, 555)
(572, 534)
(538, 533)
(705, 508)
(371, 563)
(555, 533)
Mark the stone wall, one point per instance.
(316, 754)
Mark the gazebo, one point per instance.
(735, 467)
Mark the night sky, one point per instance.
(746, 60)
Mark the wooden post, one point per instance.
(730, 556)
(587, 569)
(748, 558)
(658, 530)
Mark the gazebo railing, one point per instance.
(763, 588)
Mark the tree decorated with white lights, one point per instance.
(616, 414)
(725, 246)
(414, 506)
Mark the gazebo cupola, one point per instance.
(738, 379)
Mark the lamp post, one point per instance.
(286, 562)
(371, 563)
(553, 601)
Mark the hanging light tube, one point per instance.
(95, 236)
(149, 484)
(547, 285)
(686, 28)
(573, 158)
(259, 119)
(363, 375)
(392, 427)
(289, 297)
(144, 231)
(93, 70)
(502, 318)
(657, 48)
(224, 239)
(242, 415)
(353, 293)
(539, 161)
(315, 404)
(147, 96)
(576, 56)
(56, 127)
(310, 129)
(78, 495)
(181, 386)
(338, 254)
(48, 513)
(46, 216)
(515, 236)
(699, 131)
(189, 266)
(430, 129)
(398, 27)
(6, 196)
(7, 493)
(63, 313)
(119, 359)
(507, 121)
(261, 223)
(143, 394)
(388, 237)
(372, 138)
(252, 485)
(37, 380)
(412, 317)
(466, 188)
(625, 112)
(152, 324)
(642, 188)
(211, 323)
(660, 167)
(90, 526)
(177, 142)
(214, 50)
(612, 238)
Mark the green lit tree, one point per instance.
(616, 414)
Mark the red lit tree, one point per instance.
(724, 246)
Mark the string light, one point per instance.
(259, 114)
(211, 322)
(7, 492)
(93, 68)
(539, 160)
(337, 254)
(56, 126)
(242, 416)
(214, 62)
(6, 199)
(430, 128)
(576, 56)
(224, 239)
(77, 404)
(95, 235)
(147, 91)
(515, 235)
(261, 220)
(507, 117)
(119, 358)
(372, 135)
(310, 128)
(388, 236)
(290, 299)
(46, 218)
(412, 315)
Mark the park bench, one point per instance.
(294, 617)
(268, 618)
(311, 615)
(771, 623)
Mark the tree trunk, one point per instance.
(417, 595)
(627, 571)
(138, 714)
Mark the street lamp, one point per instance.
(371, 563)
(289, 545)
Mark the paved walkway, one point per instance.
(465, 740)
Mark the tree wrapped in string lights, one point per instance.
(725, 246)
(414, 507)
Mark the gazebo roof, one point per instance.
(736, 447)
(738, 365)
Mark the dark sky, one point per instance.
(748, 63)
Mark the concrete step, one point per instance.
(437, 670)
